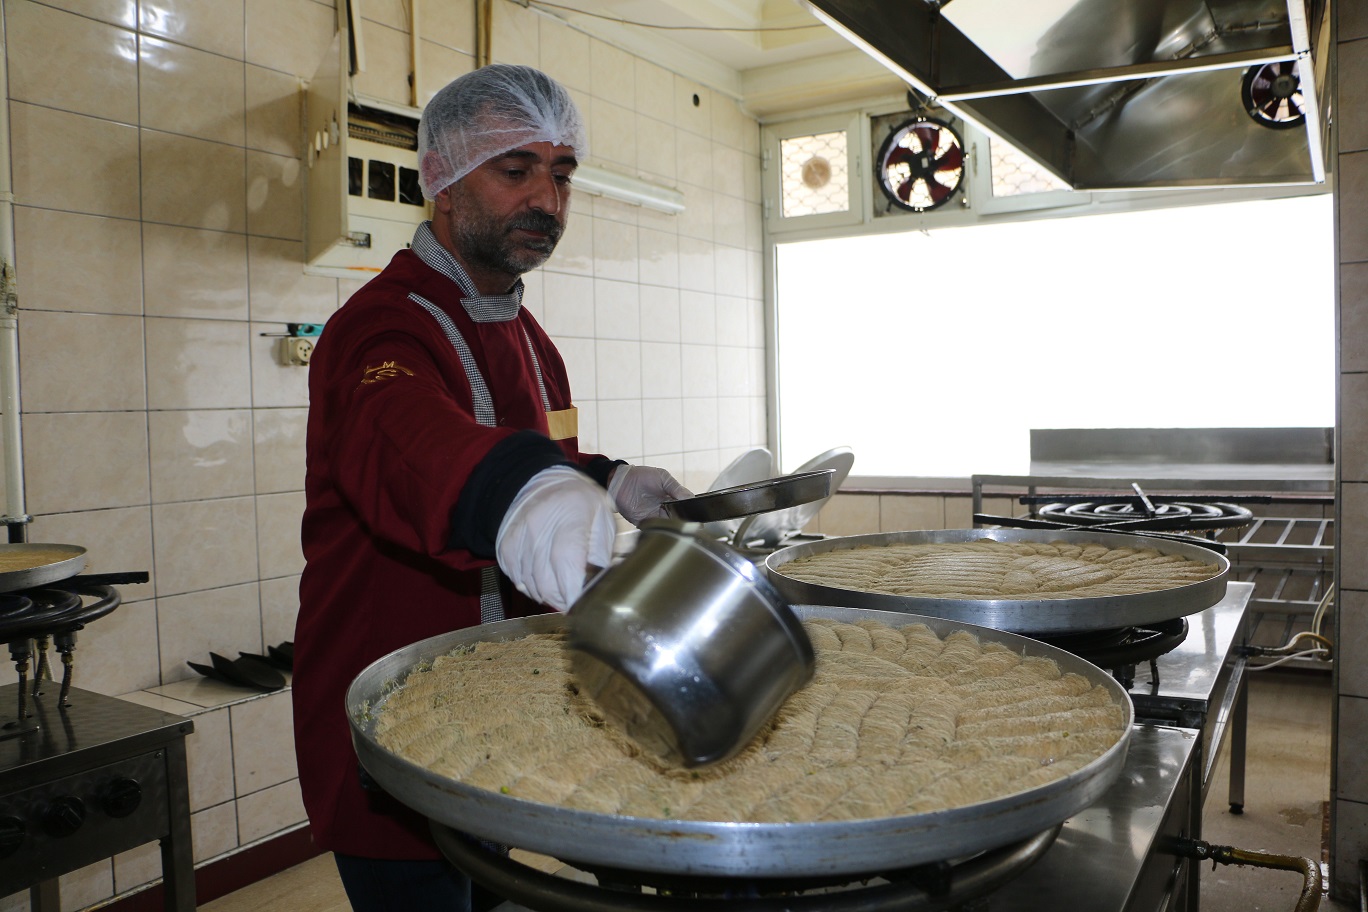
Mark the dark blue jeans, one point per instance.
(383, 885)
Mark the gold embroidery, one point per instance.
(563, 425)
(386, 371)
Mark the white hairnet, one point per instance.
(487, 112)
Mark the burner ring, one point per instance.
(1167, 515)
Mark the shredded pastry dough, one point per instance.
(896, 721)
(988, 569)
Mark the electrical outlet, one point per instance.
(294, 351)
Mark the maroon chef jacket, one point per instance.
(391, 440)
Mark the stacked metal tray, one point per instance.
(1024, 615)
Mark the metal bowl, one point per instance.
(686, 646)
(757, 497)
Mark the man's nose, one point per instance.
(548, 194)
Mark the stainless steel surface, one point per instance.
(757, 497)
(117, 773)
(1112, 94)
(1017, 615)
(59, 562)
(1106, 855)
(715, 848)
(755, 464)
(686, 646)
(767, 530)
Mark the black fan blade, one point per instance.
(952, 159)
(900, 155)
(938, 190)
(905, 189)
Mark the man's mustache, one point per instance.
(539, 222)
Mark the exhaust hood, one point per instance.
(1120, 94)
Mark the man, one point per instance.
(442, 449)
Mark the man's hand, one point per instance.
(558, 528)
(639, 492)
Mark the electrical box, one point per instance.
(363, 199)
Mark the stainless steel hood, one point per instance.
(1120, 94)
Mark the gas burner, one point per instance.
(1120, 650)
(924, 888)
(1161, 513)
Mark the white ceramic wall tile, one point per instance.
(534, 291)
(1352, 556)
(452, 24)
(615, 250)
(851, 514)
(588, 426)
(275, 385)
(581, 362)
(660, 314)
(1353, 641)
(263, 732)
(728, 171)
(565, 55)
(1353, 310)
(517, 33)
(661, 371)
(288, 35)
(275, 195)
(575, 251)
(700, 424)
(658, 257)
(654, 88)
(193, 182)
(278, 547)
(87, 886)
(137, 867)
(191, 92)
(387, 64)
(733, 371)
(568, 304)
(67, 61)
(699, 367)
(612, 74)
(698, 318)
(656, 150)
(699, 218)
(81, 362)
(700, 468)
(278, 447)
(280, 290)
(696, 269)
(269, 812)
(214, 831)
(692, 107)
(730, 266)
(733, 422)
(279, 609)
(612, 134)
(730, 229)
(204, 544)
(191, 626)
(662, 427)
(201, 692)
(115, 540)
(695, 160)
(196, 364)
(1351, 774)
(72, 162)
(200, 454)
(733, 128)
(620, 429)
(209, 759)
(1353, 427)
(1352, 184)
(43, 238)
(617, 309)
(733, 321)
(211, 25)
(440, 66)
(900, 513)
(117, 12)
(274, 110)
(618, 369)
(85, 461)
(190, 272)
(118, 653)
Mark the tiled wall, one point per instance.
(1349, 831)
(159, 228)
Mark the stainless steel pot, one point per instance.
(686, 646)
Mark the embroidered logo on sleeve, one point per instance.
(387, 370)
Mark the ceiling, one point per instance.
(773, 56)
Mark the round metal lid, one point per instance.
(701, 848)
(769, 529)
(27, 565)
(1036, 616)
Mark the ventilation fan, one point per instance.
(1272, 95)
(921, 164)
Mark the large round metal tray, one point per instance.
(1016, 615)
(39, 564)
(756, 497)
(699, 848)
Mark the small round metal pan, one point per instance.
(757, 497)
(25, 565)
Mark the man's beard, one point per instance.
(488, 244)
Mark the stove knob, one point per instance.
(64, 816)
(121, 797)
(11, 835)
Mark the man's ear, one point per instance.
(442, 201)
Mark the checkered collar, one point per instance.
(481, 307)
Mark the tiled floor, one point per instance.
(1287, 785)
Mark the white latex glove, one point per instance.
(639, 491)
(558, 528)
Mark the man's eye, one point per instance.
(564, 179)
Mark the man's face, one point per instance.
(505, 217)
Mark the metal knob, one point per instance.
(121, 797)
(12, 834)
(64, 816)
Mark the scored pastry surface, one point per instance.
(988, 569)
(896, 721)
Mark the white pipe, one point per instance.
(15, 512)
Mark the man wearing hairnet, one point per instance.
(445, 486)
